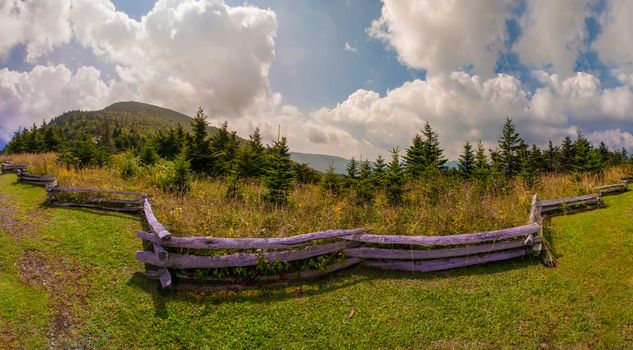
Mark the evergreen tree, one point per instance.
(605, 155)
(415, 157)
(251, 158)
(233, 187)
(432, 152)
(508, 149)
(395, 179)
(537, 160)
(526, 167)
(481, 168)
(352, 169)
(594, 163)
(364, 188)
(51, 138)
(467, 161)
(148, 155)
(279, 175)
(224, 147)
(551, 157)
(582, 150)
(199, 152)
(567, 154)
(378, 173)
(181, 179)
(330, 181)
(305, 175)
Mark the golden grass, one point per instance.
(450, 207)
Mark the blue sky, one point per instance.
(312, 68)
(338, 77)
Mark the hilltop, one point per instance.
(142, 117)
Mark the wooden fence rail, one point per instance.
(199, 259)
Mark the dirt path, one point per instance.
(64, 280)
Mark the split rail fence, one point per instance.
(169, 258)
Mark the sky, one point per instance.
(346, 77)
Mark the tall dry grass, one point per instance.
(448, 206)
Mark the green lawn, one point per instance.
(70, 277)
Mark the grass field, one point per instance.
(68, 278)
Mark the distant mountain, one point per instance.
(321, 162)
(142, 117)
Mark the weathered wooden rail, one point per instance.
(198, 259)
(121, 201)
(37, 180)
(612, 189)
(11, 168)
(166, 256)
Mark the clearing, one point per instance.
(68, 278)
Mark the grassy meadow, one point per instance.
(69, 279)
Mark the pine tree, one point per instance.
(415, 157)
(199, 152)
(181, 179)
(148, 155)
(467, 161)
(233, 187)
(567, 154)
(508, 145)
(364, 187)
(537, 160)
(330, 181)
(304, 174)
(279, 176)
(552, 158)
(604, 152)
(378, 173)
(51, 138)
(223, 145)
(394, 179)
(433, 153)
(582, 149)
(526, 169)
(481, 170)
(352, 168)
(251, 158)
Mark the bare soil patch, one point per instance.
(17, 228)
(67, 286)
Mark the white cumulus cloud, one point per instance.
(181, 55)
(553, 34)
(444, 36)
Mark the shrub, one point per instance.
(128, 166)
(148, 154)
(172, 176)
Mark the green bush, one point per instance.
(128, 166)
(172, 176)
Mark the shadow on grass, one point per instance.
(264, 294)
(130, 216)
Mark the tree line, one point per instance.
(223, 154)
